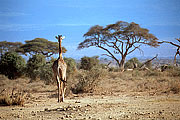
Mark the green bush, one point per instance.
(34, 65)
(71, 66)
(46, 73)
(130, 64)
(87, 63)
(12, 65)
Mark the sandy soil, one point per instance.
(44, 106)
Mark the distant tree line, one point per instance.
(31, 47)
(117, 40)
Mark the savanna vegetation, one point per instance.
(89, 75)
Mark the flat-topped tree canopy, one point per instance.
(40, 46)
(121, 38)
(9, 46)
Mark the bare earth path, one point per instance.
(94, 107)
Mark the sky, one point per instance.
(22, 20)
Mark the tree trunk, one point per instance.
(121, 64)
(176, 56)
(175, 59)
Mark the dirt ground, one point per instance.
(127, 96)
(124, 106)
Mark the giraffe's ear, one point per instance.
(56, 37)
(63, 37)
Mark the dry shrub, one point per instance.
(3, 77)
(137, 73)
(88, 80)
(153, 73)
(173, 72)
(174, 87)
(114, 69)
(9, 99)
(114, 75)
(169, 72)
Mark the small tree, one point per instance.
(34, 65)
(87, 63)
(12, 65)
(118, 40)
(40, 46)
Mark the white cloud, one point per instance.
(30, 27)
(11, 14)
(19, 27)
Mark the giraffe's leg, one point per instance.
(64, 87)
(58, 84)
(62, 92)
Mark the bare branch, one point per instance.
(169, 43)
(149, 61)
(110, 54)
(135, 47)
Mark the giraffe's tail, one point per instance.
(62, 76)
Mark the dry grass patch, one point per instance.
(11, 98)
(152, 82)
(87, 81)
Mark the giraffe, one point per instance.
(59, 69)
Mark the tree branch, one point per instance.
(110, 54)
(170, 43)
(117, 48)
(135, 49)
(178, 52)
(148, 61)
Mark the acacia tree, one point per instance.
(40, 46)
(176, 45)
(9, 46)
(118, 40)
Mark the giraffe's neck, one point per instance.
(60, 50)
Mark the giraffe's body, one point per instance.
(59, 68)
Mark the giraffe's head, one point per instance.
(59, 37)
